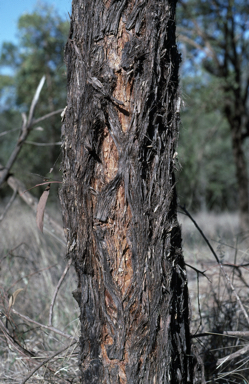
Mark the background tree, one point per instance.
(119, 198)
(42, 35)
(217, 34)
(206, 172)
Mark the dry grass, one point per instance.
(230, 245)
(215, 308)
(35, 262)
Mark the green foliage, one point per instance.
(214, 35)
(42, 37)
(207, 177)
(9, 123)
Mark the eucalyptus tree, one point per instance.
(206, 171)
(216, 34)
(118, 196)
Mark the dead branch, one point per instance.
(37, 144)
(198, 271)
(56, 292)
(35, 100)
(232, 356)
(25, 130)
(55, 330)
(10, 130)
(36, 121)
(237, 333)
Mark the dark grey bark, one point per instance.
(118, 197)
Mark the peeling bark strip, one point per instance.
(118, 197)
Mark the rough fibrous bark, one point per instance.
(118, 196)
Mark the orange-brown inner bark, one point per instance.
(118, 225)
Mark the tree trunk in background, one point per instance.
(242, 177)
(118, 197)
(235, 114)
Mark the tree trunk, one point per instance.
(236, 114)
(118, 197)
(242, 177)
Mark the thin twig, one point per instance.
(10, 130)
(13, 342)
(37, 144)
(50, 114)
(234, 334)
(26, 128)
(35, 99)
(237, 333)
(46, 361)
(204, 237)
(197, 271)
(51, 233)
(50, 320)
(219, 263)
(232, 356)
(55, 330)
(44, 183)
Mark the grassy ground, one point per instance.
(219, 304)
(35, 263)
(231, 247)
